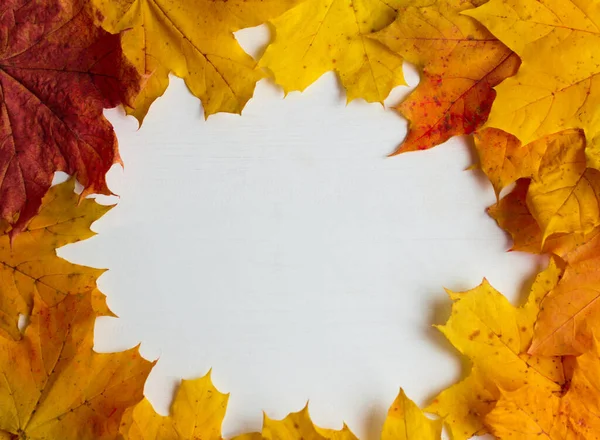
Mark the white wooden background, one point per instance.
(284, 249)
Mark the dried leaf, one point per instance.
(29, 266)
(564, 194)
(570, 313)
(512, 214)
(299, 425)
(193, 39)
(494, 335)
(323, 35)
(531, 412)
(558, 85)
(56, 387)
(461, 63)
(406, 421)
(58, 71)
(504, 159)
(196, 413)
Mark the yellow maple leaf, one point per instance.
(193, 39)
(461, 63)
(299, 425)
(494, 335)
(512, 214)
(197, 412)
(564, 193)
(30, 265)
(406, 421)
(532, 412)
(54, 386)
(558, 84)
(318, 36)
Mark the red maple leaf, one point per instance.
(58, 71)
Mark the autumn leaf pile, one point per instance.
(521, 78)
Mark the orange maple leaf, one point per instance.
(532, 412)
(54, 386)
(461, 63)
(58, 71)
(570, 313)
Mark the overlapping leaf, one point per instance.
(461, 63)
(556, 205)
(29, 266)
(58, 71)
(324, 35)
(194, 40)
(558, 84)
(495, 336)
(513, 215)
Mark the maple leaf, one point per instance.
(512, 214)
(197, 412)
(569, 313)
(406, 421)
(299, 425)
(531, 412)
(58, 71)
(504, 159)
(29, 266)
(318, 36)
(563, 194)
(495, 336)
(56, 387)
(193, 39)
(461, 63)
(557, 86)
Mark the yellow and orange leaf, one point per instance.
(29, 265)
(504, 159)
(558, 84)
(512, 214)
(570, 313)
(193, 39)
(564, 194)
(494, 335)
(55, 386)
(461, 63)
(318, 36)
(555, 205)
(532, 412)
